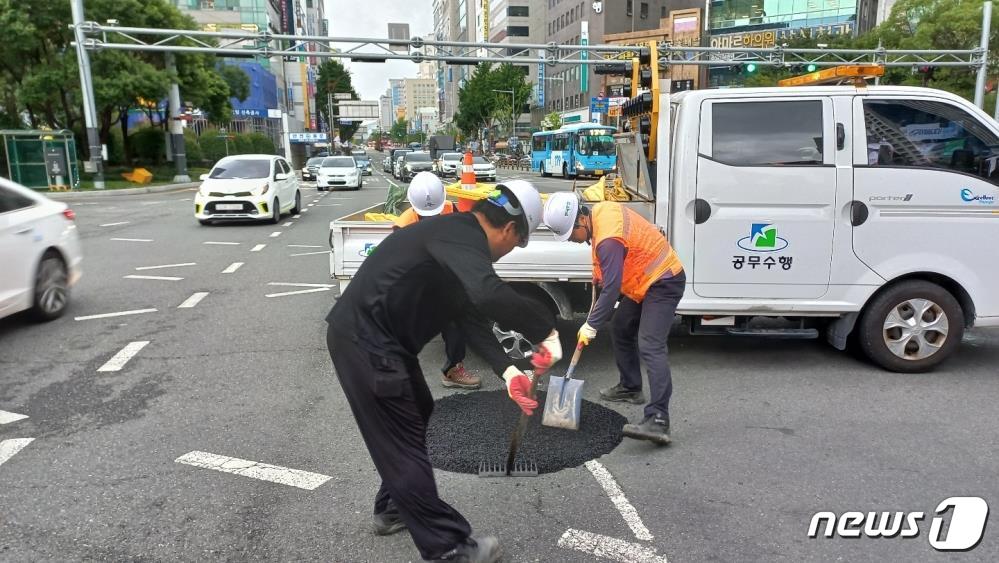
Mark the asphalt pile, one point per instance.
(470, 428)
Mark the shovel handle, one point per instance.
(574, 360)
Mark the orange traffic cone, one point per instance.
(467, 182)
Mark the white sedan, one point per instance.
(39, 252)
(339, 172)
(247, 187)
(484, 170)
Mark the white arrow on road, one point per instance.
(9, 448)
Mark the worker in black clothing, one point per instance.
(412, 285)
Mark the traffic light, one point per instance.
(642, 109)
(750, 68)
(812, 67)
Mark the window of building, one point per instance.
(643, 11)
(926, 134)
(662, 12)
(767, 133)
(518, 31)
(629, 7)
(518, 11)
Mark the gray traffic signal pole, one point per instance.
(176, 124)
(983, 70)
(94, 149)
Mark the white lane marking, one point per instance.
(9, 448)
(304, 210)
(288, 224)
(296, 216)
(299, 292)
(311, 253)
(119, 360)
(151, 202)
(609, 548)
(254, 469)
(165, 266)
(116, 224)
(258, 248)
(275, 234)
(620, 502)
(8, 417)
(232, 268)
(193, 300)
(291, 284)
(119, 314)
(160, 278)
(329, 205)
(222, 243)
(304, 246)
(133, 239)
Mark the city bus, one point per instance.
(579, 149)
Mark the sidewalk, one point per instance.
(123, 191)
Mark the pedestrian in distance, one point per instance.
(427, 198)
(634, 263)
(406, 292)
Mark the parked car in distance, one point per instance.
(256, 187)
(39, 252)
(363, 164)
(339, 172)
(311, 167)
(449, 164)
(413, 163)
(484, 170)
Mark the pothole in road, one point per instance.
(469, 428)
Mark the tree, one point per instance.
(334, 78)
(399, 130)
(479, 106)
(39, 76)
(552, 121)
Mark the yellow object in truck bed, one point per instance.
(380, 217)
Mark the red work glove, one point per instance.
(518, 386)
(549, 352)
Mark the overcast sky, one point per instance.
(370, 18)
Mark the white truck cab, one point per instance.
(870, 212)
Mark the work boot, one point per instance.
(387, 524)
(619, 394)
(652, 428)
(458, 377)
(474, 550)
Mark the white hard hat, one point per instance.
(426, 194)
(529, 201)
(560, 214)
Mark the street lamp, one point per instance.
(513, 111)
(562, 80)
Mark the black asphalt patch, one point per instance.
(469, 428)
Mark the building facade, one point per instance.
(569, 88)
(520, 22)
(385, 113)
(420, 93)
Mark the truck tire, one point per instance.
(911, 327)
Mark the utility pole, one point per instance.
(94, 149)
(176, 124)
(984, 46)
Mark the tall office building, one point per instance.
(454, 20)
(420, 94)
(569, 88)
(385, 114)
(397, 91)
(520, 22)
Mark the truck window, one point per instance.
(779, 133)
(927, 134)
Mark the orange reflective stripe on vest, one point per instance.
(649, 255)
(410, 216)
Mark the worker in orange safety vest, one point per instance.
(633, 262)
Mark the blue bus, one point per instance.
(574, 150)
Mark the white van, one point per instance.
(863, 211)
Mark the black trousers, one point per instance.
(640, 332)
(454, 345)
(392, 404)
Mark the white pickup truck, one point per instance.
(870, 212)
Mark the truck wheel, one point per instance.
(911, 327)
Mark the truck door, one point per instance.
(766, 195)
(925, 192)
